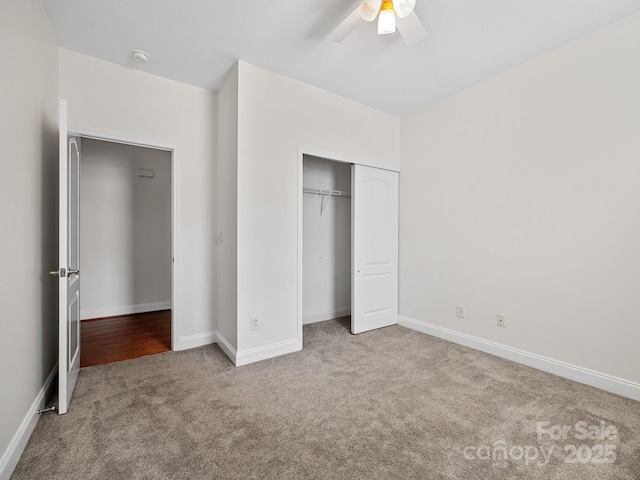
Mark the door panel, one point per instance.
(375, 248)
(74, 315)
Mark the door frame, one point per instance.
(333, 157)
(175, 201)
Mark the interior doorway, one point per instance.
(126, 204)
(326, 240)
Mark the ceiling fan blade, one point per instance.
(369, 9)
(411, 29)
(403, 8)
(346, 26)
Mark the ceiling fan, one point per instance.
(390, 14)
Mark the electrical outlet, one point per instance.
(460, 311)
(255, 323)
(501, 320)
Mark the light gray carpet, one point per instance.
(389, 404)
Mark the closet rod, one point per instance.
(331, 193)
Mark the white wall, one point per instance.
(520, 196)
(28, 214)
(126, 102)
(277, 117)
(327, 241)
(227, 209)
(125, 229)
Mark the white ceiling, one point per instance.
(197, 41)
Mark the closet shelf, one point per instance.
(331, 193)
(326, 194)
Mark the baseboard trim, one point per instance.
(12, 454)
(329, 315)
(101, 312)
(269, 351)
(195, 341)
(599, 380)
(226, 347)
(238, 358)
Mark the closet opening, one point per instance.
(326, 241)
(126, 259)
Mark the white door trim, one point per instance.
(175, 204)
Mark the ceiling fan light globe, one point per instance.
(404, 8)
(369, 9)
(386, 22)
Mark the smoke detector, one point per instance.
(140, 56)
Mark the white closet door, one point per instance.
(374, 197)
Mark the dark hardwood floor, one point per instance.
(106, 340)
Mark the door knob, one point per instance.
(64, 272)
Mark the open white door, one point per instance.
(374, 203)
(68, 268)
